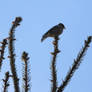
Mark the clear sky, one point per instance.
(39, 16)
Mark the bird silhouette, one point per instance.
(54, 31)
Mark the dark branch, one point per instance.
(6, 84)
(11, 52)
(53, 65)
(26, 72)
(75, 65)
(4, 43)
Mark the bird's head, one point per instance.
(61, 25)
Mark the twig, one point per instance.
(53, 65)
(11, 52)
(75, 65)
(4, 43)
(26, 72)
(6, 84)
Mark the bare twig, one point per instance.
(11, 52)
(6, 84)
(26, 72)
(53, 65)
(2, 51)
(75, 65)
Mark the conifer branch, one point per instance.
(26, 72)
(75, 65)
(12, 54)
(6, 83)
(53, 65)
(4, 43)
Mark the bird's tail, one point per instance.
(44, 37)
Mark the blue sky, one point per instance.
(39, 16)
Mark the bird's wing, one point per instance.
(53, 29)
(50, 32)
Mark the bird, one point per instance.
(55, 31)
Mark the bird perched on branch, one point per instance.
(54, 31)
